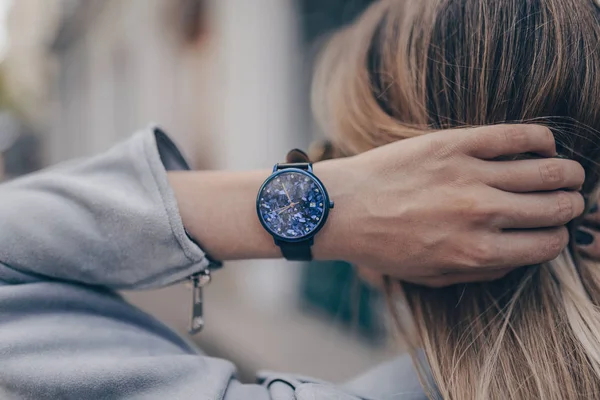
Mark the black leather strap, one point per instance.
(299, 251)
(302, 165)
(297, 156)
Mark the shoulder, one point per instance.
(396, 380)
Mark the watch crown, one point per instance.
(331, 204)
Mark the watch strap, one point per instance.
(304, 166)
(296, 251)
(299, 251)
(297, 156)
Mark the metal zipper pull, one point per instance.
(198, 280)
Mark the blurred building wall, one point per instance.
(122, 65)
(233, 96)
(28, 65)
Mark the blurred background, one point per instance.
(229, 80)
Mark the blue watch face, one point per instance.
(292, 204)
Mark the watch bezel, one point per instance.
(326, 205)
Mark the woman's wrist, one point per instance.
(334, 239)
(218, 210)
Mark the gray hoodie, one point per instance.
(72, 235)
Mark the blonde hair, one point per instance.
(406, 68)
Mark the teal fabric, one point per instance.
(72, 235)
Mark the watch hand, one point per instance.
(280, 210)
(286, 193)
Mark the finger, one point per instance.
(453, 279)
(488, 142)
(534, 175)
(588, 243)
(535, 210)
(524, 247)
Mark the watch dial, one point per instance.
(291, 205)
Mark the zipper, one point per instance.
(198, 281)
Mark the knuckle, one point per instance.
(475, 212)
(565, 208)
(453, 174)
(556, 243)
(578, 204)
(551, 171)
(483, 253)
(439, 148)
(484, 214)
(515, 136)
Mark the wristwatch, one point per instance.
(293, 205)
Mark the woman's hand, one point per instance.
(435, 210)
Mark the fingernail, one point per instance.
(583, 238)
(594, 208)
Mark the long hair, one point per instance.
(408, 67)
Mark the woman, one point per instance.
(407, 68)
(435, 209)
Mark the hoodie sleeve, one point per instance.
(110, 220)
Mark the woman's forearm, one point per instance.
(218, 209)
